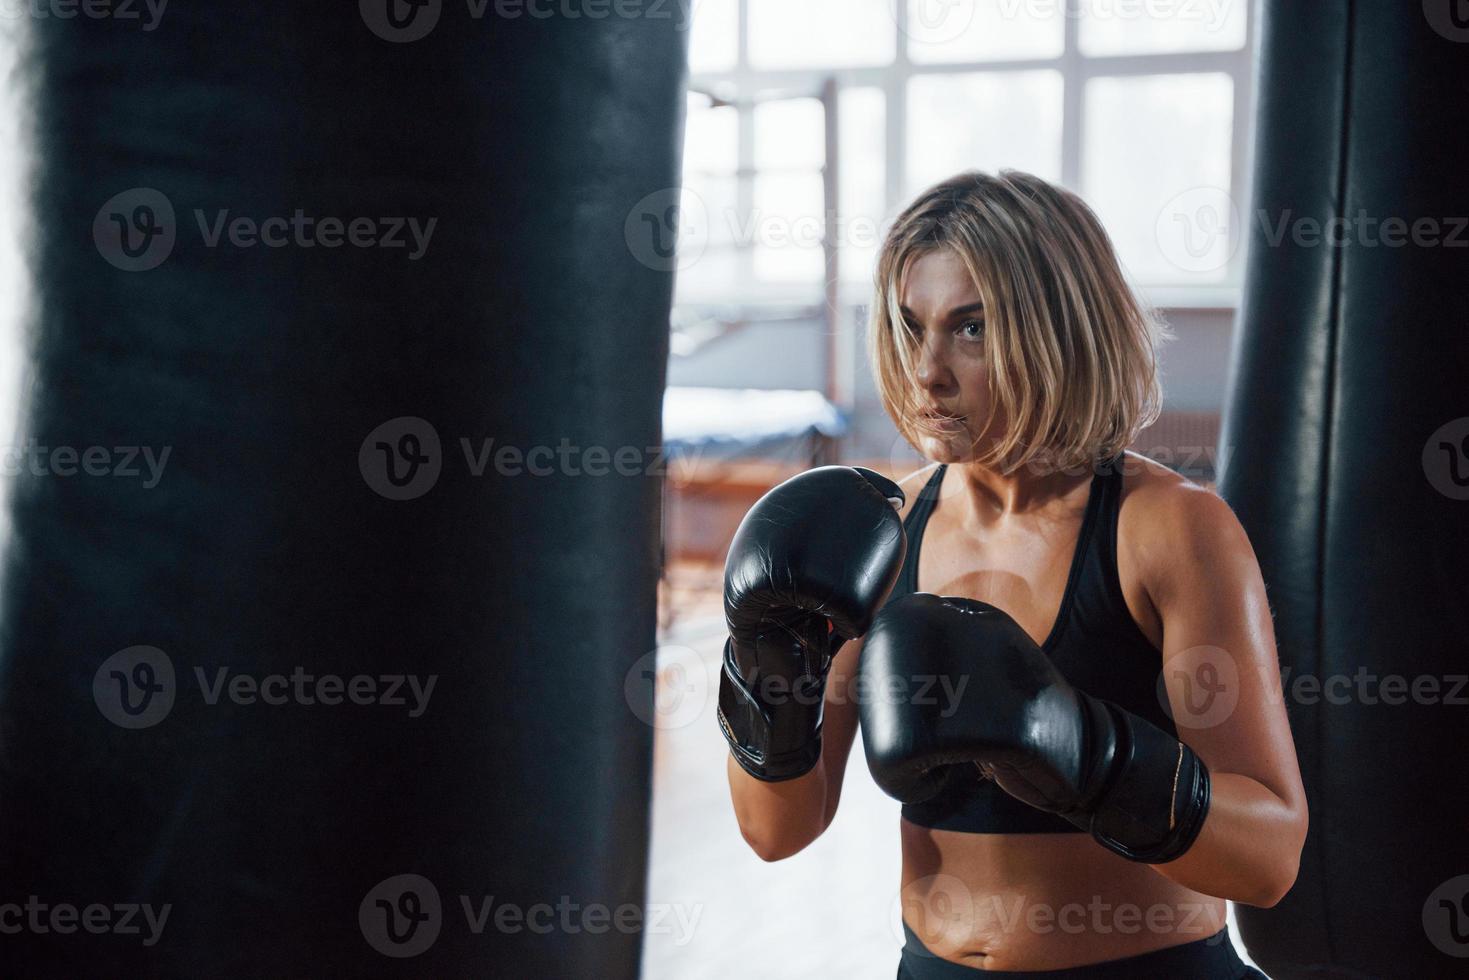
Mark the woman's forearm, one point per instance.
(1249, 847)
(778, 819)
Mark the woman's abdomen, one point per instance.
(1041, 901)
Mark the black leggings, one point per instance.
(1205, 959)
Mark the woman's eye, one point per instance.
(972, 329)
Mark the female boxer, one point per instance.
(1122, 763)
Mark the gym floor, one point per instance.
(829, 911)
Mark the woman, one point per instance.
(1009, 350)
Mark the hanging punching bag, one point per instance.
(1347, 438)
(336, 537)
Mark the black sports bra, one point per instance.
(1095, 643)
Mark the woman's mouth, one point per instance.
(945, 423)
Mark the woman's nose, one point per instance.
(933, 369)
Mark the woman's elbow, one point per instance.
(1274, 888)
(1286, 867)
(780, 819)
(778, 840)
(773, 848)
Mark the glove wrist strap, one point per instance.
(773, 735)
(1157, 796)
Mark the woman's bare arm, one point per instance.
(780, 819)
(1222, 676)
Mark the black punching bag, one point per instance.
(1347, 433)
(338, 685)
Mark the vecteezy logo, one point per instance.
(1206, 679)
(401, 459)
(1446, 916)
(1450, 18)
(667, 229)
(135, 230)
(936, 21)
(134, 688)
(1198, 230)
(939, 907)
(679, 684)
(1446, 459)
(401, 916)
(400, 21)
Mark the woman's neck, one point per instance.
(987, 496)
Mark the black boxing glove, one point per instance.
(1137, 790)
(807, 569)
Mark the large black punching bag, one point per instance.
(1347, 433)
(336, 537)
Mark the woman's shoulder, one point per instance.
(1165, 517)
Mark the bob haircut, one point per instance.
(1070, 350)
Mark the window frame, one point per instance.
(743, 86)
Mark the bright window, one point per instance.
(1139, 105)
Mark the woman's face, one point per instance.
(942, 306)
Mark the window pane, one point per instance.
(861, 172)
(786, 229)
(711, 138)
(1160, 26)
(821, 33)
(789, 133)
(714, 35)
(707, 262)
(708, 279)
(1156, 169)
(985, 121)
(984, 30)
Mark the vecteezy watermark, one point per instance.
(1368, 687)
(1449, 18)
(943, 21)
(1193, 461)
(667, 687)
(39, 459)
(669, 229)
(90, 9)
(136, 688)
(1446, 459)
(405, 21)
(943, 691)
(137, 229)
(1199, 687)
(1200, 230)
(1210, 13)
(403, 916)
(1364, 230)
(1189, 460)
(402, 458)
(937, 21)
(64, 919)
(947, 914)
(572, 917)
(1446, 917)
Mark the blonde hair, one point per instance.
(1070, 350)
